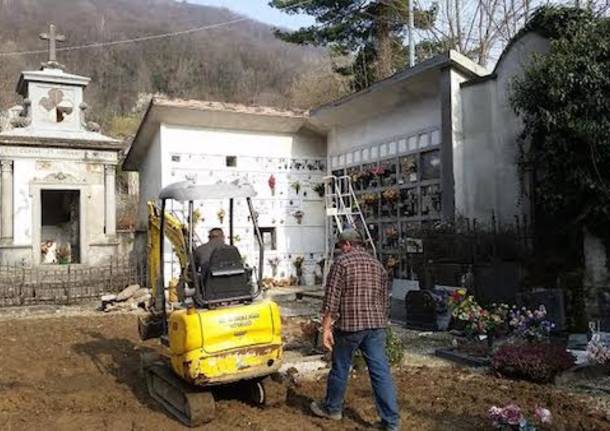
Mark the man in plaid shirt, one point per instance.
(355, 313)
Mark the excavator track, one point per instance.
(191, 405)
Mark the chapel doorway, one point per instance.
(60, 227)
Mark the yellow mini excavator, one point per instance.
(218, 333)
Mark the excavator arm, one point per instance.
(175, 233)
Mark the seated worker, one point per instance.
(203, 253)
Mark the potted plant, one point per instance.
(221, 215)
(530, 325)
(511, 418)
(274, 262)
(370, 199)
(479, 323)
(197, 217)
(362, 178)
(388, 177)
(392, 263)
(390, 198)
(538, 362)
(598, 353)
(391, 235)
(298, 266)
(319, 189)
(391, 195)
(408, 169)
(296, 186)
(63, 255)
(376, 173)
(466, 310)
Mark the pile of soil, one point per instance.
(82, 373)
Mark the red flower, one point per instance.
(377, 171)
(455, 296)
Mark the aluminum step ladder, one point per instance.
(342, 212)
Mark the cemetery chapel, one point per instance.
(57, 186)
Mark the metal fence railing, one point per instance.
(66, 284)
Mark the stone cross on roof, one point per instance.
(53, 37)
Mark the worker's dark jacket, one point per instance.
(203, 253)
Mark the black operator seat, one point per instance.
(226, 277)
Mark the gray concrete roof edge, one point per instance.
(436, 62)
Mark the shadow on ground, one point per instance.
(120, 358)
(302, 403)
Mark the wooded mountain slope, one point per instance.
(243, 62)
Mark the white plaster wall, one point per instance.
(462, 166)
(406, 119)
(200, 154)
(150, 179)
(24, 170)
(488, 145)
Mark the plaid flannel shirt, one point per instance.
(357, 292)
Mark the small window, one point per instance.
(269, 238)
(231, 161)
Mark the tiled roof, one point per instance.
(205, 105)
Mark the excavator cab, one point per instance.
(226, 276)
(218, 331)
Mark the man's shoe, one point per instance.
(320, 411)
(384, 426)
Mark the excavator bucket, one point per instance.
(150, 326)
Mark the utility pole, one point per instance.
(411, 39)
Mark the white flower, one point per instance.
(543, 415)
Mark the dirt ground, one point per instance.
(82, 373)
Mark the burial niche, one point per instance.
(60, 227)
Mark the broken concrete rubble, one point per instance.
(128, 292)
(130, 298)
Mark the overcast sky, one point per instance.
(259, 10)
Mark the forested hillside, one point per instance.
(242, 62)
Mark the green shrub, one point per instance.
(394, 350)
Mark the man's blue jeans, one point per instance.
(371, 343)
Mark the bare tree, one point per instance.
(478, 29)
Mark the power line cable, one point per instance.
(127, 41)
(295, 5)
